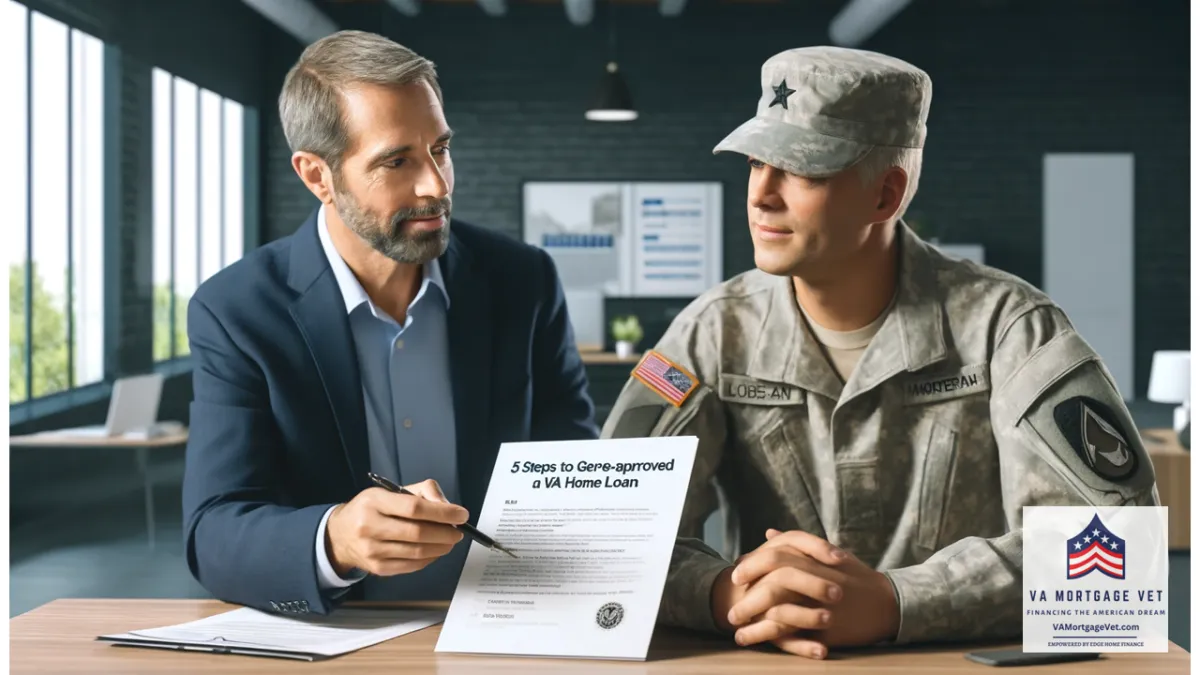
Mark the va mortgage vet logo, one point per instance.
(1094, 579)
(1096, 549)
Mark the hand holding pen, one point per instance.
(385, 533)
(465, 528)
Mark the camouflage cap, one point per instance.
(824, 108)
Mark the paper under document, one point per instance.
(593, 524)
(249, 631)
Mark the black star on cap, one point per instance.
(781, 94)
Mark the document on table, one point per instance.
(593, 524)
(249, 631)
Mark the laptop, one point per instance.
(132, 411)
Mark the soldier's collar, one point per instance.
(911, 337)
(785, 350)
(919, 309)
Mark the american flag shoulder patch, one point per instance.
(665, 378)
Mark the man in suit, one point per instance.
(380, 337)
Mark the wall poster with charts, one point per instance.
(625, 239)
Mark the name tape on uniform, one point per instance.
(743, 389)
(970, 380)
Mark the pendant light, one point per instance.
(612, 102)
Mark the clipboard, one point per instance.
(212, 649)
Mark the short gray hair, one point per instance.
(883, 157)
(310, 106)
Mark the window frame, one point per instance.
(33, 410)
(249, 240)
(74, 394)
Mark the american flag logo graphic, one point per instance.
(667, 379)
(1096, 549)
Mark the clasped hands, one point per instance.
(805, 596)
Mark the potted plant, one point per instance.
(627, 331)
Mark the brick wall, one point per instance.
(130, 338)
(1012, 81)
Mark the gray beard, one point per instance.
(416, 249)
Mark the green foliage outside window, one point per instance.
(51, 371)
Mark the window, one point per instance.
(198, 222)
(52, 119)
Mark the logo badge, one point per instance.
(1095, 549)
(610, 615)
(1094, 432)
(1097, 597)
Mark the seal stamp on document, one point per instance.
(610, 615)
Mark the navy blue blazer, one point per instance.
(278, 427)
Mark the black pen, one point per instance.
(465, 528)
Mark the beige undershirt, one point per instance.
(843, 349)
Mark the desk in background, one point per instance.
(59, 637)
(141, 447)
(1173, 474)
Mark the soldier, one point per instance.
(875, 412)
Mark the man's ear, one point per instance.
(891, 194)
(315, 174)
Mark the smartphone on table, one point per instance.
(1016, 657)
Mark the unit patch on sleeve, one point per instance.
(1094, 433)
(665, 378)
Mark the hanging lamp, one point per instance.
(612, 102)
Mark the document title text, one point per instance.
(588, 475)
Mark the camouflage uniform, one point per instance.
(975, 398)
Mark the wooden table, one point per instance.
(59, 439)
(59, 637)
(1173, 474)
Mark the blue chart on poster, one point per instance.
(577, 241)
(673, 251)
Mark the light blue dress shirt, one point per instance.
(405, 372)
